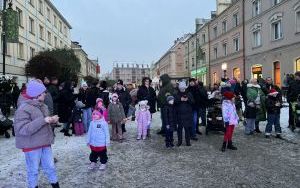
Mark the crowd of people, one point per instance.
(44, 105)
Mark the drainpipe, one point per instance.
(208, 69)
(244, 46)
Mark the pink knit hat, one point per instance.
(34, 89)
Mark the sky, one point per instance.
(131, 30)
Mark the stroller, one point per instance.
(5, 125)
(214, 116)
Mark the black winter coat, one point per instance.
(294, 91)
(148, 94)
(184, 109)
(124, 98)
(91, 97)
(169, 115)
(271, 104)
(65, 105)
(250, 112)
(104, 95)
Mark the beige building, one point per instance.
(41, 27)
(226, 44)
(172, 62)
(272, 39)
(130, 72)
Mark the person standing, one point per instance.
(170, 119)
(53, 90)
(194, 90)
(86, 109)
(66, 104)
(184, 102)
(292, 97)
(143, 118)
(146, 92)
(203, 103)
(124, 98)
(34, 134)
(15, 95)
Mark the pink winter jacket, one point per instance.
(229, 112)
(143, 117)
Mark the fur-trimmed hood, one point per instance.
(252, 85)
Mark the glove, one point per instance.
(226, 123)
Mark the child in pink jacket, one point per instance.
(143, 118)
(99, 105)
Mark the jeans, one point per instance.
(202, 114)
(36, 157)
(250, 126)
(195, 123)
(273, 119)
(87, 118)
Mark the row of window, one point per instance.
(236, 45)
(56, 22)
(235, 22)
(257, 4)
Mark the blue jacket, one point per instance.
(98, 134)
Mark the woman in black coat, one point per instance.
(65, 105)
(146, 92)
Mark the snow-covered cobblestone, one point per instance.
(258, 162)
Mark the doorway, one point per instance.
(277, 76)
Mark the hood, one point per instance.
(252, 85)
(165, 79)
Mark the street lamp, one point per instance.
(224, 68)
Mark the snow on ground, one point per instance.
(258, 162)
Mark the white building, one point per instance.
(41, 27)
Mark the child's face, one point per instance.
(171, 102)
(96, 116)
(99, 104)
(114, 98)
(143, 107)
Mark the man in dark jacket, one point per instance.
(194, 90)
(53, 90)
(104, 93)
(166, 90)
(203, 102)
(292, 97)
(184, 102)
(124, 98)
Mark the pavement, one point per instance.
(258, 162)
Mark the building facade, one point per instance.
(226, 44)
(41, 27)
(172, 62)
(272, 38)
(130, 72)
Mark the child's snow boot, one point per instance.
(55, 185)
(224, 146)
(230, 146)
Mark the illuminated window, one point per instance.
(298, 64)
(237, 73)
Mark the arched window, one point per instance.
(237, 73)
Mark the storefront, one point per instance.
(257, 71)
(200, 74)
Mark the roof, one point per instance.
(58, 13)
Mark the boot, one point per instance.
(55, 185)
(257, 130)
(67, 133)
(188, 143)
(279, 136)
(179, 144)
(148, 133)
(230, 146)
(224, 146)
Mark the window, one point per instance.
(257, 38)
(275, 2)
(48, 14)
(256, 7)
(21, 50)
(60, 26)
(31, 2)
(55, 42)
(216, 52)
(215, 32)
(31, 25)
(276, 30)
(215, 77)
(61, 44)
(224, 26)
(236, 43)
(298, 64)
(298, 21)
(55, 21)
(41, 32)
(237, 73)
(203, 38)
(193, 62)
(49, 38)
(41, 7)
(65, 31)
(235, 20)
(32, 52)
(225, 49)
(20, 16)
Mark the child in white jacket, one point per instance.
(98, 139)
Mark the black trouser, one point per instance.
(169, 136)
(163, 126)
(187, 130)
(291, 116)
(100, 154)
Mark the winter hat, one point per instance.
(99, 99)
(169, 98)
(273, 92)
(114, 95)
(228, 95)
(143, 103)
(182, 85)
(35, 89)
(232, 81)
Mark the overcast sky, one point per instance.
(130, 30)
